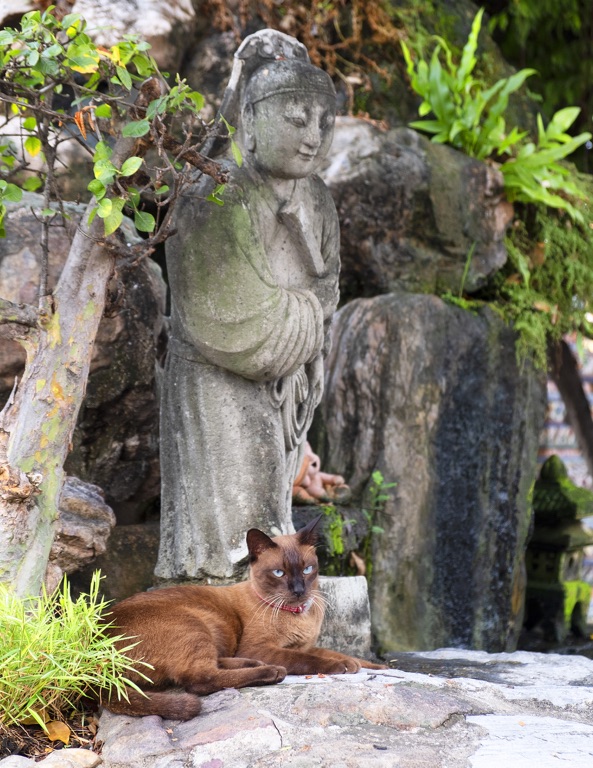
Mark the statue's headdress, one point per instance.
(267, 63)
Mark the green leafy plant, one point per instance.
(334, 530)
(372, 511)
(47, 58)
(470, 116)
(54, 652)
(467, 115)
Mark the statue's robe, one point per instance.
(251, 307)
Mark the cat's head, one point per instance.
(284, 569)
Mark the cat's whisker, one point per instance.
(321, 600)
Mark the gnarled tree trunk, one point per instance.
(37, 423)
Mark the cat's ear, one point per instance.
(308, 534)
(258, 542)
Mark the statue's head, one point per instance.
(288, 115)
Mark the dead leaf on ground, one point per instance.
(58, 731)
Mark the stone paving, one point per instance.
(441, 709)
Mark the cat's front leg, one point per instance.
(236, 662)
(312, 662)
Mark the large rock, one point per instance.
(432, 396)
(84, 524)
(413, 214)
(115, 444)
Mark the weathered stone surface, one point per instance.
(127, 564)
(12, 10)
(73, 758)
(412, 212)
(168, 27)
(16, 761)
(209, 67)
(347, 623)
(66, 758)
(115, 444)
(83, 528)
(432, 396)
(254, 284)
(450, 708)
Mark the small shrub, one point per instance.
(471, 117)
(54, 652)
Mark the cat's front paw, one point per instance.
(272, 674)
(342, 666)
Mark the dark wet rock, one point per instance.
(432, 396)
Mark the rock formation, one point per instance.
(432, 396)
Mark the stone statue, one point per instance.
(254, 284)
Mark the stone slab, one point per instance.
(449, 708)
(347, 623)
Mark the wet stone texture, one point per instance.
(432, 396)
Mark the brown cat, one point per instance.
(203, 639)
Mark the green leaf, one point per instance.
(144, 222)
(104, 170)
(125, 79)
(72, 19)
(468, 58)
(136, 129)
(215, 195)
(103, 110)
(131, 165)
(102, 151)
(564, 118)
(12, 193)
(32, 145)
(105, 207)
(49, 67)
(156, 106)
(162, 190)
(32, 183)
(53, 51)
(30, 124)
(197, 99)
(97, 188)
(237, 156)
(82, 57)
(112, 222)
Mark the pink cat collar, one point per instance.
(293, 609)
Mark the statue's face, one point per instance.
(291, 133)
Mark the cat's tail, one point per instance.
(170, 705)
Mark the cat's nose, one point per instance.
(298, 590)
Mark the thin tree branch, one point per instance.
(199, 161)
(22, 314)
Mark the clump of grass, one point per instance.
(54, 653)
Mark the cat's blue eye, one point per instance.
(278, 572)
(308, 569)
